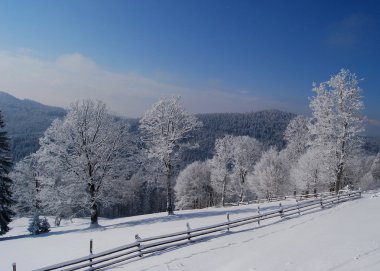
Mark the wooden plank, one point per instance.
(86, 258)
(93, 263)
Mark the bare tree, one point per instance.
(165, 128)
(88, 145)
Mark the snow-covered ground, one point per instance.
(345, 237)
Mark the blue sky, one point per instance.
(219, 55)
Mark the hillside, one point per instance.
(26, 122)
(343, 237)
(268, 126)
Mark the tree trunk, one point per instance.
(38, 189)
(94, 207)
(224, 190)
(94, 214)
(242, 181)
(339, 177)
(169, 192)
(342, 155)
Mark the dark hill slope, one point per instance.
(267, 126)
(26, 122)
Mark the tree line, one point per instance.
(90, 162)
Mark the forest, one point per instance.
(91, 163)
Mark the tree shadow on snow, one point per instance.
(145, 221)
(192, 215)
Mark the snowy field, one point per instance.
(345, 237)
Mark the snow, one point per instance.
(344, 237)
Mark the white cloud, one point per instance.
(71, 77)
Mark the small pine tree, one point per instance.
(38, 225)
(5, 182)
(44, 225)
(34, 224)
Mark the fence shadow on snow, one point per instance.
(144, 247)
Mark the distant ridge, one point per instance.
(26, 120)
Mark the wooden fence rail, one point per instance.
(145, 246)
(274, 199)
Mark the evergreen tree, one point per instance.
(38, 225)
(5, 182)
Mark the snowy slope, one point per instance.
(345, 237)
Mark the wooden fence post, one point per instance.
(298, 207)
(188, 230)
(321, 201)
(228, 220)
(259, 213)
(90, 251)
(281, 211)
(14, 266)
(138, 240)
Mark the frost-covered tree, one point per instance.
(337, 121)
(26, 187)
(297, 138)
(357, 167)
(61, 193)
(268, 178)
(369, 172)
(193, 187)
(222, 165)
(38, 188)
(368, 182)
(87, 147)
(165, 128)
(246, 151)
(6, 200)
(311, 172)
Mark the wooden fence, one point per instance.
(146, 246)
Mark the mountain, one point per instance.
(26, 121)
